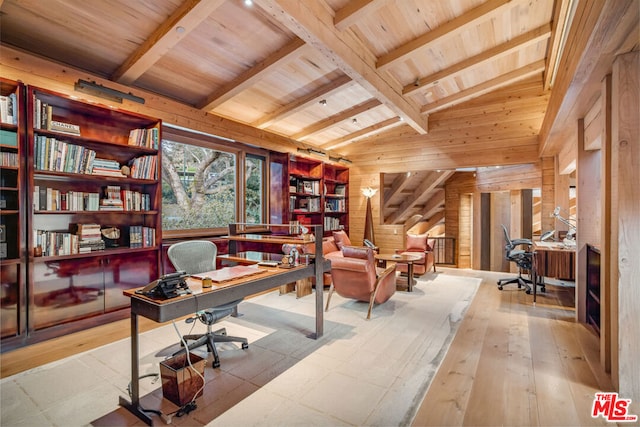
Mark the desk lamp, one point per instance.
(570, 222)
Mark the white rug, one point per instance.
(360, 372)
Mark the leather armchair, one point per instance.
(354, 275)
(421, 245)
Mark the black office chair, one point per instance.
(523, 258)
(199, 256)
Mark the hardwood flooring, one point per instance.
(510, 363)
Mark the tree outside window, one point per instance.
(198, 187)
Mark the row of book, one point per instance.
(148, 138)
(43, 119)
(141, 236)
(331, 223)
(9, 109)
(144, 167)
(51, 199)
(106, 167)
(83, 238)
(9, 159)
(304, 186)
(89, 237)
(335, 205)
(59, 156)
(52, 154)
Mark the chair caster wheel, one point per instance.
(543, 289)
(216, 364)
(245, 346)
(528, 291)
(499, 287)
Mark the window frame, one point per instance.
(238, 149)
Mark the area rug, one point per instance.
(361, 372)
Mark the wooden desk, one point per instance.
(553, 259)
(403, 259)
(200, 299)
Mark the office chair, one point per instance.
(523, 258)
(199, 256)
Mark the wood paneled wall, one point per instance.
(625, 236)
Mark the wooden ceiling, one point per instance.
(394, 85)
(324, 73)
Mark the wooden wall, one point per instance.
(625, 240)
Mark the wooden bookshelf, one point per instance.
(12, 217)
(89, 168)
(309, 191)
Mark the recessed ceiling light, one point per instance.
(248, 3)
(179, 30)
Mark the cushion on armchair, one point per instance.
(341, 238)
(417, 242)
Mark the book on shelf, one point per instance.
(9, 138)
(144, 137)
(9, 109)
(340, 189)
(52, 154)
(144, 167)
(63, 127)
(106, 167)
(141, 236)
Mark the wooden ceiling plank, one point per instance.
(313, 22)
(336, 118)
(188, 16)
(503, 80)
(520, 42)
(352, 137)
(449, 29)
(303, 102)
(253, 75)
(354, 11)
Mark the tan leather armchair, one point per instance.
(421, 245)
(355, 276)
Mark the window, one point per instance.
(254, 189)
(198, 182)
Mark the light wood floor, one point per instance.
(510, 363)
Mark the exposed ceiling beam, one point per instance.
(399, 183)
(435, 204)
(313, 22)
(369, 130)
(428, 184)
(253, 75)
(303, 102)
(186, 17)
(336, 118)
(485, 87)
(354, 11)
(520, 42)
(449, 29)
(436, 219)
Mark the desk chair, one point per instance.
(199, 256)
(523, 258)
